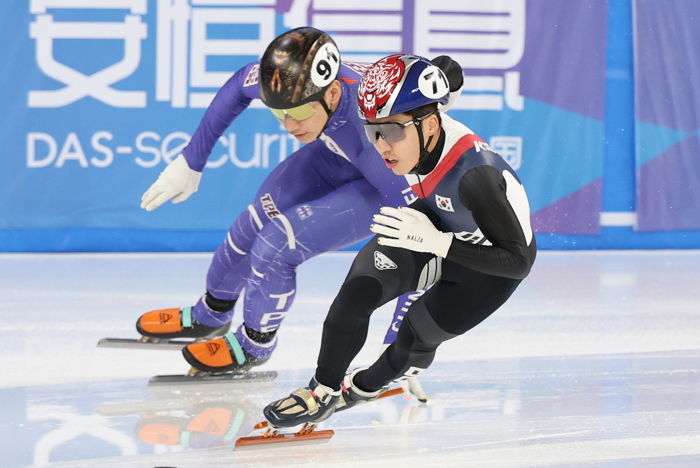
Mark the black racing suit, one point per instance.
(465, 188)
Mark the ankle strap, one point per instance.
(235, 347)
(186, 317)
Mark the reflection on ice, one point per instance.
(502, 412)
(594, 362)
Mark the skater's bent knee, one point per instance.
(423, 327)
(274, 251)
(358, 297)
(363, 291)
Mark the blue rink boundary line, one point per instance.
(112, 240)
(135, 240)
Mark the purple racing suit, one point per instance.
(321, 198)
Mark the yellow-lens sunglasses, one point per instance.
(302, 112)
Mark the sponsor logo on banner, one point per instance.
(494, 48)
(182, 35)
(509, 148)
(149, 149)
(49, 34)
(113, 90)
(496, 45)
(185, 46)
(70, 49)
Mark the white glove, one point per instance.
(410, 229)
(176, 182)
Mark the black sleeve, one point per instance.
(483, 191)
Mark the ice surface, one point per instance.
(594, 362)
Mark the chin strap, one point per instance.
(424, 153)
(329, 113)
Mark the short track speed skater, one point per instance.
(265, 434)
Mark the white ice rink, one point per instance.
(594, 362)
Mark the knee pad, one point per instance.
(416, 342)
(426, 330)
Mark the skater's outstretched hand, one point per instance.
(176, 182)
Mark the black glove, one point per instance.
(452, 70)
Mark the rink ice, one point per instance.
(594, 362)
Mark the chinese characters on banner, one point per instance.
(128, 103)
(490, 38)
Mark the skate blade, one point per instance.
(132, 343)
(270, 436)
(390, 392)
(387, 394)
(205, 377)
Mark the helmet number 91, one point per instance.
(325, 66)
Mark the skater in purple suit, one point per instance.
(320, 198)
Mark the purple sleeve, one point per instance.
(232, 99)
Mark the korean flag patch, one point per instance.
(444, 203)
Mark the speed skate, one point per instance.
(166, 329)
(264, 433)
